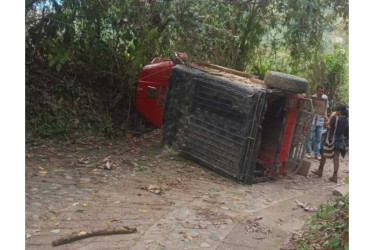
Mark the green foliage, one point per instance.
(58, 59)
(346, 246)
(303, 246)
(50, 129)
(325, 212)
(329, 227)
(337, 75)
(228, 33)
(106, 43)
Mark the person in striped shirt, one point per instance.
(337, 126)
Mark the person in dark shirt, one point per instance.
(337, 126)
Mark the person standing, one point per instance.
(337, 126)
(317, 127)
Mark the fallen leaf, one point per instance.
(258, 238)
(44, 217)
(41, 168)
(306, 207)
(235, 198)
(300, 204)
(154, 189)
(55, 231)
(107, 158)
(310, 208)
(108, 165)
(83, 161)
(84, 204)
(28, 236)
(82, 233)
(161, 244)
(79, 211)
(43, 172)
(142, 210)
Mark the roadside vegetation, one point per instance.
(83, 58)
(328, 228)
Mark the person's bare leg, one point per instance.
(319, 172)
(334, 177)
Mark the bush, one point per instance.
(328, 228)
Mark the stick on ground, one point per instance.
(83, 235)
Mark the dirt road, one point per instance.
(69, 189)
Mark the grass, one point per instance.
(328, 228)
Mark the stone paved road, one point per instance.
(68, 190)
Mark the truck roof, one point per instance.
(229, 74)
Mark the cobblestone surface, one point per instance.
(196, 209)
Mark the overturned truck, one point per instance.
(228, 120)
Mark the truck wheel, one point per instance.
(286, 82)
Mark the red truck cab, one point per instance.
(151, 90)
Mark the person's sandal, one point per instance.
(318, 157)
(317, 172)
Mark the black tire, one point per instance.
(286, 82)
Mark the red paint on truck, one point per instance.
(153, 78)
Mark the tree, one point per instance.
(106, 43)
